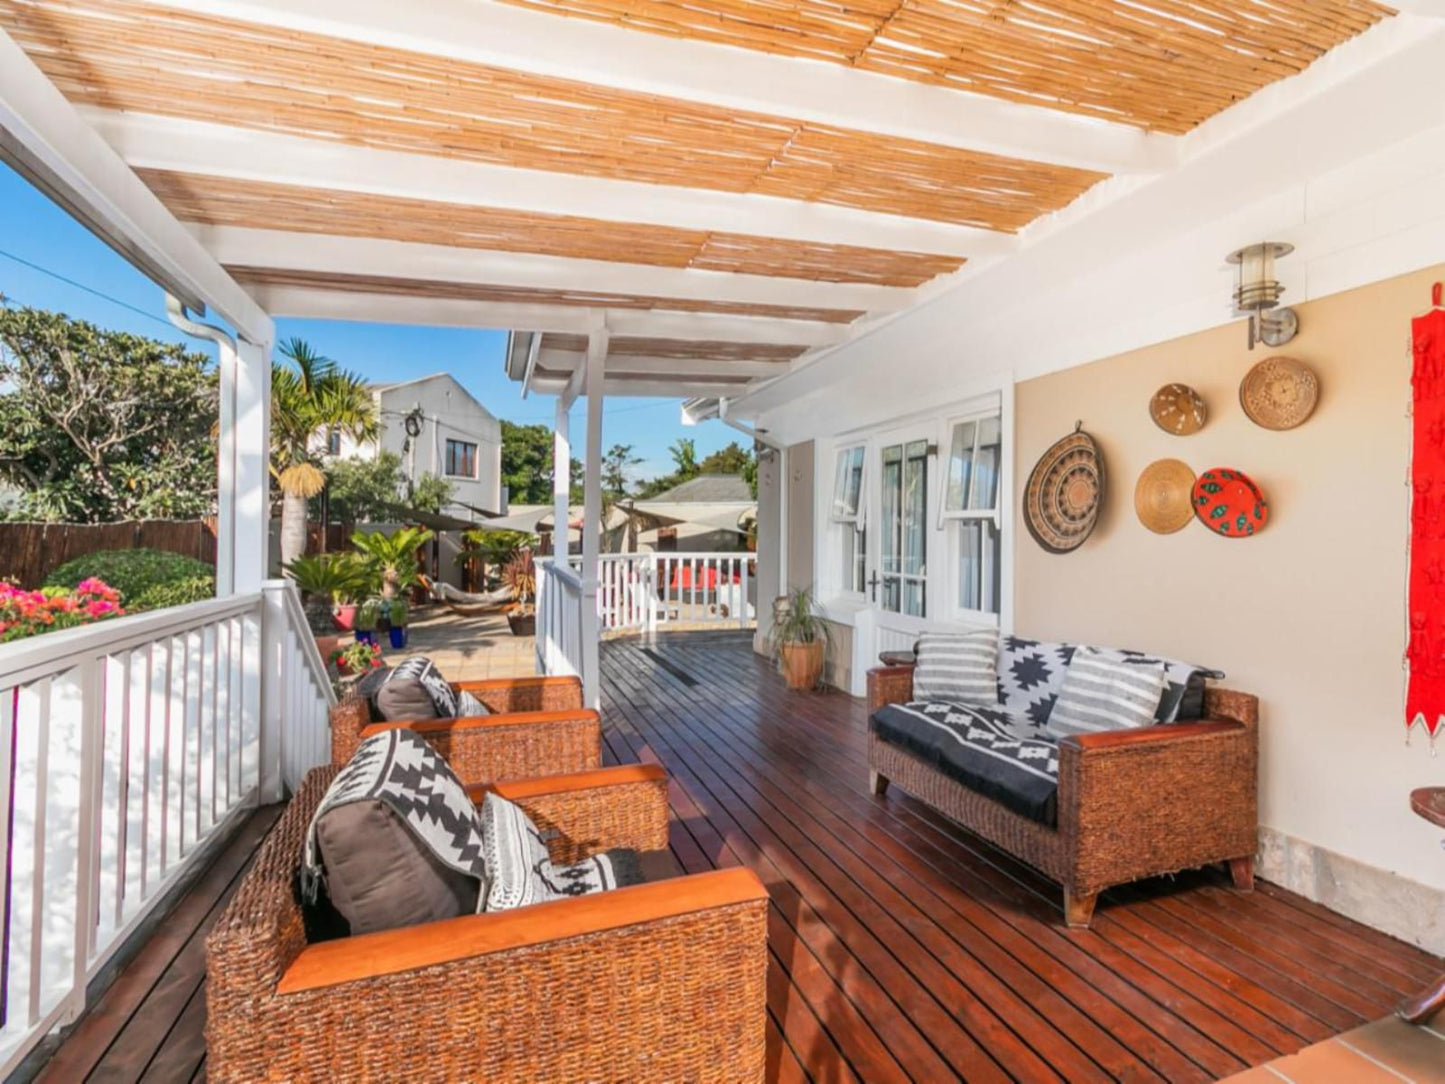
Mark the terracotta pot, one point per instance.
(345, 617)
(522, 624)
(327, 644)
(802, 665)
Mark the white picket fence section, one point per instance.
(648, 592)
(125, 747)
(559, 618)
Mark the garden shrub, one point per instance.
(146, 579)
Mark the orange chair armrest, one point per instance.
(520, 790)
(483, 722)
(1158, 734)
(351, 959)
(483, 685)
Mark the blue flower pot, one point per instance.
(398, 637)
(365, 636)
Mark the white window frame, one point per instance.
(840, 525)
(950, 521)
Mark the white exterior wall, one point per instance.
(449, 412)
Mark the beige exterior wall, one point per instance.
(800, 515)
(770, 518)
(1308, 615)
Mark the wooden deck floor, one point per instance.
(902, 948)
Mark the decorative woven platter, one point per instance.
(1164, 496)
(1064, 492)
(1279, 393)
(1178, 409)
(1229, 503)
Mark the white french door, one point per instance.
(899, 584)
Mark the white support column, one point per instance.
(592, 514)
(561, 480)
(251, 534)
(227, 367)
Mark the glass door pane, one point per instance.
(915, 526)
(890, 528)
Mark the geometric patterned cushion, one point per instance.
(516, 857)
(1030, 675)
(421, 670)
(468, 706)
(401, 771)
(959, 668)
(1105, 692)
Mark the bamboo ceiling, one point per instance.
(121, 54)
(223, 201)
(699, 350)
(522, 295)
(1165, 65)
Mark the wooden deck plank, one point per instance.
(900, 946)
(785, 776)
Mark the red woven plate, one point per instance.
(1229, 503)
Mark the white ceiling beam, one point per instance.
(313, 302)
(329, 254)
(187, 146)
(646, 389)
(577, 49)
(1431, 9)
(566, 361)
(46, 139)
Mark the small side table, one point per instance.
(1428, 802)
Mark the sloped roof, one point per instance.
(705, 489)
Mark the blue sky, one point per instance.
(34, 232)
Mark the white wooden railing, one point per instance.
(648, 592)
(559, 618)
(127, 749)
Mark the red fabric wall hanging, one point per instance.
(1425, 653)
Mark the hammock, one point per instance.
(470, 603)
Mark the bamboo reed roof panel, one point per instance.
(129, 55)
(524, 295)
(227, 201)
(1165, 65)
(690, 349)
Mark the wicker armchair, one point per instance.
(539, 728)
(663, 981)
(1131, 803)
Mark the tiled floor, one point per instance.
(1388, 1051)
(469, 648)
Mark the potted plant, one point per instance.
(392, 557)
(799, 636)
(397, 616)
(521, 576)
(368, 614)
(356, 658)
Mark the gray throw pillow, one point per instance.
(957, 668)
(416, 689)
(1103, 692)
(515, 856)
(380, 876)
(469, 706)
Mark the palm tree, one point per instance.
(310, 397)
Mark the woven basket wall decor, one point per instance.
(1229, 503)
(1178, 409)
(1279, 393)
(1064, 492)
(1164, 496)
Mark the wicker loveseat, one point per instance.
(1130, 803)
(657, 982)
(538, 727)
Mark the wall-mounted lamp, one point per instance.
(1256, 293)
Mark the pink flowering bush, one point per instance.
(28, 613)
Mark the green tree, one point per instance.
(684, 454)
(527, 465)
(431, 493)
(360, 487)
(310, 396)
(100, 425)
(733, 459)
(616, 465)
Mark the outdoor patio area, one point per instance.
(901, 947)
(468, 648)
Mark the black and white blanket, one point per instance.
(399, 769)
(1008, 758)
